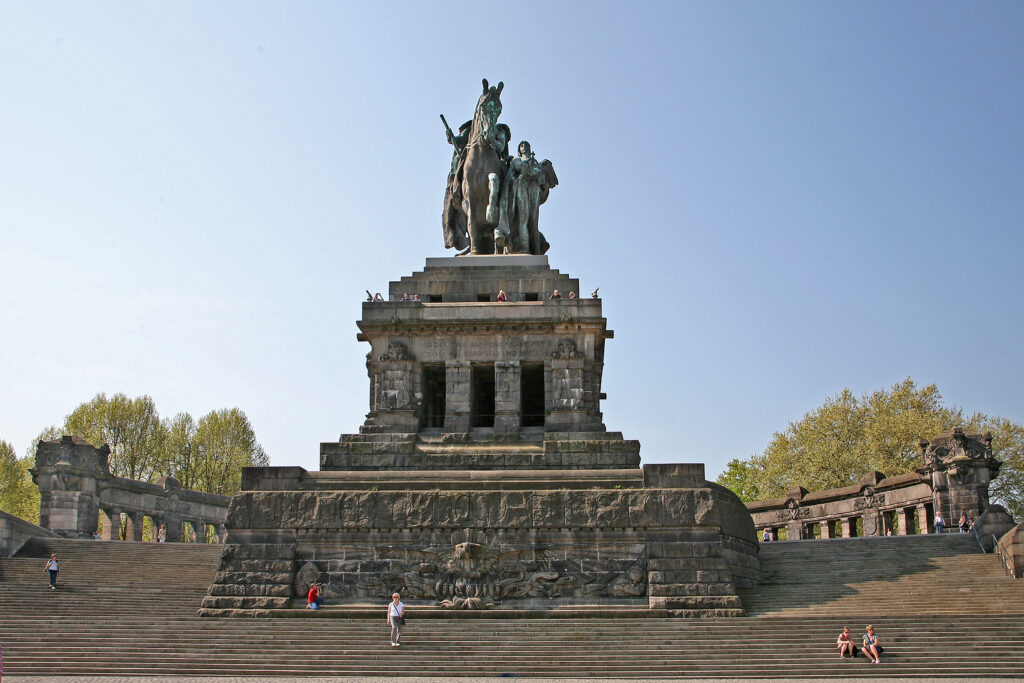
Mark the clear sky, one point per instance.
(777, 200)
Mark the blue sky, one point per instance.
(778, 200)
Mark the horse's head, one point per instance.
(488, 109)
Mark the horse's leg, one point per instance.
(493, 190)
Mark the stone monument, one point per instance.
(483, 476)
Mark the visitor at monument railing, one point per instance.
(405, 296)
(555, 295)
(572, 295)
(502, 296)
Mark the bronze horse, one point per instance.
(483, 172)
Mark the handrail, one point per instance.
(1007, 563)
(977, 537)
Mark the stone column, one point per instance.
(795, 530)
(846, 526)
(925, 520)
(458, 390)
(903, 522)
(133, 529)
(112, 525)
(199, 532)
(826, 531)
(222, 533)
(506, 397)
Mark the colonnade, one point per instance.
(196, 530)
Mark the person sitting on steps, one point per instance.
(845, 644)
(871, 647)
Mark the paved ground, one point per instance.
(341, 679)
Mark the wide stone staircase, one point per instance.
(940, 607)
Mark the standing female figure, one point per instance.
(396, 619)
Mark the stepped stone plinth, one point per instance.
(483, 475)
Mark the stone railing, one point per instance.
(14, 531)
(75, 484)
(953, 480)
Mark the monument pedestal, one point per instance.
(484, 477)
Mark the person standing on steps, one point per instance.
(161, 535)
(939, 523)
(53, 566)
(396, 619)
(871, 647)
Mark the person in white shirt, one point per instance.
(53, 566)
(396, 619)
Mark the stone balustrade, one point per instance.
(76, 485)
(953, 480)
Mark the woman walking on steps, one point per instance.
(396, 619)
(53, 567)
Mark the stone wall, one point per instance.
(76, 485)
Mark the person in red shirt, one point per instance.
(314, 599)
(501, 295)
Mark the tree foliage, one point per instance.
(19, 496)
(209, 455)
(130, 426)
(835, 444)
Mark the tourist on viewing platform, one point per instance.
(415, 297)
(845, 644)
(963, 523)
(405, 296)
(53, 566)
(939, 523)
(572, 295)
(161, 535)
(871, 647)
(396, 619)
(555, 295)
(502, 296)
(315, 598)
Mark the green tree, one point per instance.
(224, 443)
(19, 495)
(739, 478)
(835, 444)
(130, 426)
(180, 450)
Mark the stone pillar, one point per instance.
(904, 522)
(873, 523)
(199, 532)
(506, 397)
(568, 411)
(925, 520)
(112, 525)
(133, 529)
(846, 526)
(68, 472)
(222, 533)
(826, 530)
(173, 523)
(458, 391)
(795, 530)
